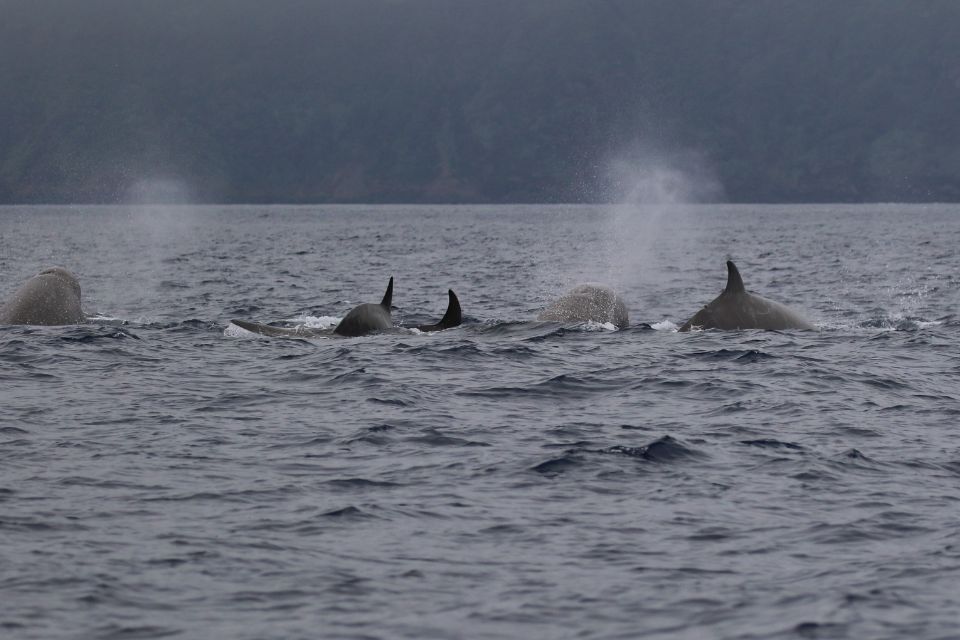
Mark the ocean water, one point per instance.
(163, 474)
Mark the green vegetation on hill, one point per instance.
(489, 101)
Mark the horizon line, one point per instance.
(477, 204)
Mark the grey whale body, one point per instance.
(368, 317)
(588, 303)
(52, 297)
(736, 308)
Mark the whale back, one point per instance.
(750, 311)
(368, 317)
(278, 332)
(52, 297)
(736, 309)
(588, 303)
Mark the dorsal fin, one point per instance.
(734, 281)
(388, 296)
(453, 317)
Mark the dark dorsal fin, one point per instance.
(452, 318)
(734, 281)
(388, 296)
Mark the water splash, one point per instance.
(652, 192)
(656, 179)
(665, 325)
(316, 322)
(158, 191)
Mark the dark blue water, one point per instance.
(162, 475)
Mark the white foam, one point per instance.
(590, 325)
(899, 320)
(890, 324)
(316, 322)
(664, 325)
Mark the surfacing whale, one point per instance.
(588, 303)
(363, 319)
(452, 318)
(368, 317)
(52, 297)
(278, 332)
(736, 308)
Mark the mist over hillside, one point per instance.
(492, 101)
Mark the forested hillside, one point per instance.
(478, 101)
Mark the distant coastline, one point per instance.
(538, 101)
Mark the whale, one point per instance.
(52, 297)
(588, 302)
(368, 317)
(363, 319)
(452, 318)
(736, 308)
(270, 331)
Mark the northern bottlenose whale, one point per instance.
(736, 308)
(588, 303)
(278, 332)
(452, 318)
(368, 317)
(52, 297)
(363, 319)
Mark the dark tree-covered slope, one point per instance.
(492, 101)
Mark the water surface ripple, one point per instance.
(163, 476)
